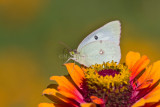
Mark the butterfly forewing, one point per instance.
(110, 31)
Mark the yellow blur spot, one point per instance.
(21, 86)
(15, 12)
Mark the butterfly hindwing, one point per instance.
(99, 52)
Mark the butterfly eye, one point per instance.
(95, 37)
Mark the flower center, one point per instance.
(108, 72)
(108, 81)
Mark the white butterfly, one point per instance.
(100, 46)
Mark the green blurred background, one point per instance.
(30, 32)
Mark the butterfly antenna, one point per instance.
(64, 50)
(67, 47)
(64, 54)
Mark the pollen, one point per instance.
(107, 75)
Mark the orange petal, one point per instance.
(139, 103)
(62, 81)
(76, 73)
(154, 98)
(70, 94)
(152, 73)
(97, 100)
(142, 80)
(55, 93)
(154, 95)
(49, 105)
(65, 85)
(155, 72)
(132, 58)
(88, 105)
(139, 66)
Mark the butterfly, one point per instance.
(100, 46)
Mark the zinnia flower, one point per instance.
(132, 84)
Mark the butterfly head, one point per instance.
(73, 52)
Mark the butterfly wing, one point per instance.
(110, 31)
(99, 52)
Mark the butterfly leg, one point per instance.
(73, 66)
(71, 58)
(68, 60)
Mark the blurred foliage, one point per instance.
(30, 32)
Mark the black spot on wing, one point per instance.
(96, 37)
